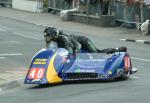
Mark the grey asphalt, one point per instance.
(54, 20)
(16, 36)
(17, 48)
(42, 19)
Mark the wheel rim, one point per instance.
(126, 74)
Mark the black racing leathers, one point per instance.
(86, 44)
(74, 43)
(67, 42)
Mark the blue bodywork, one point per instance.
(81, 66)
(87, 66)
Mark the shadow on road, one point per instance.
(42, 86)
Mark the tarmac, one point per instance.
(47, 19)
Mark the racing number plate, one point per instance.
(36, 73)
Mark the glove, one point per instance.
(76, 51)
(122, 49)
(109, 50)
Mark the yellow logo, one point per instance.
(40, 61)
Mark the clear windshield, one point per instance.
(91, 60)
(53, 46)
(90, 56)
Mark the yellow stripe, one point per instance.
(52, 75)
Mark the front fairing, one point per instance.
(46, 66)
(38, 67)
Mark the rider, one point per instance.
(72, 42)
(64, 41)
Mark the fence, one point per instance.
(5, 3)
(132, 13)
(60, 4)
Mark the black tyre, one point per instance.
(125, 76)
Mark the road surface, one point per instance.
(19, 41)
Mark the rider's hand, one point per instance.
(110, 50)
(76, 51)
(122, 49)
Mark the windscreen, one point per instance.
(90, 60)
(53, 46)
(91, 56)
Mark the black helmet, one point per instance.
(51, 31)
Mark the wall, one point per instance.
(28, 5)
(103, 20)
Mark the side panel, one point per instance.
(52, 74)
(56, 65)
(121, 64)
(115, 64)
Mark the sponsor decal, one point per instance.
(64, 59)
(68, 61)
(40, 61)
(36, 73)
(35, 80)
(63, 54)
(87, 71)
(110, 72)
(120, 71)
(78, 70)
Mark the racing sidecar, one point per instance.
(56, 65)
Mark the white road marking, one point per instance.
(2, 58)
(38, 24)
(17, 54)
(141, 41)
(43, 25)
(1, 90)
(134, 77)
(122, 39)
(16, 42)
(147, 60)
(2, 29)
(27, 36)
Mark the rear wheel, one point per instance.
(125, 76)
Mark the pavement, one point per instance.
(47, 19)
(11, 79)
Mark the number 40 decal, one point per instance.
(36, 73)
